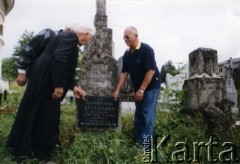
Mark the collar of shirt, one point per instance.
(137, 47)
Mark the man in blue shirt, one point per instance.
(139, 62)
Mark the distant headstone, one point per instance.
(127, 87)
(98, 112)
(175, 82)
(98, 70)
(231, 90)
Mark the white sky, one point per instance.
(174, 28)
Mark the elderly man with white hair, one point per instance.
(35, 131)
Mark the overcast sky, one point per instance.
(173, 28)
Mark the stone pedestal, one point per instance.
(206, 94)
(200, 91)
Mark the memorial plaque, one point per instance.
(98, 112)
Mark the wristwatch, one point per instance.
(141, 91)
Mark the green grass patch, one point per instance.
(118, 147)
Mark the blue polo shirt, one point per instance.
(138, 62)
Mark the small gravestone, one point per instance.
(98, 75)
(206, 95)
(231, 90)
(204, 84)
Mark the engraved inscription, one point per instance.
(98, 112)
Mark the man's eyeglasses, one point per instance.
(127, 36)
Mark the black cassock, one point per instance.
(36, 126)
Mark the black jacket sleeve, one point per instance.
(64, 61)
(34, 48)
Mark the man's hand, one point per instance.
(78, 92)
(58, 92)
(115, 94)
(138, 96)
(21, 79)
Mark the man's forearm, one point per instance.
(147, 79)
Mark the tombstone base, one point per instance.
(203, 90)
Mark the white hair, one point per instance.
(133, 29)
(84, 29)
(70, 27)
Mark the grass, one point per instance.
(80, 147)
(118, 147)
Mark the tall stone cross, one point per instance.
(101, 7)
(101, 17)
(99, 68)
(229, 67)
(231, 90)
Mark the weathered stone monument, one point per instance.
(99, 77)
(206, 91)
(99, 68)
(204, 84)
(231, 90)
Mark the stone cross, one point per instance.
(231, 90)
(101, 7)
(99, 68)
(229, 67)
(100, 17)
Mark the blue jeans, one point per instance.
(145, 115)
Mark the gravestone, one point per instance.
(206, 95)
(231, 90)
(204, 83)
(175, 82)
(99, 68)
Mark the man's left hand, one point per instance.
(58, 92)
(138, 96)
(79, 92)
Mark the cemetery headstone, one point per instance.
(206, 94)
(204, 83)
(99, 70)
(231, 90)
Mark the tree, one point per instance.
(236, 78)
(168, 68)
(9, 69)
(25, 38)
